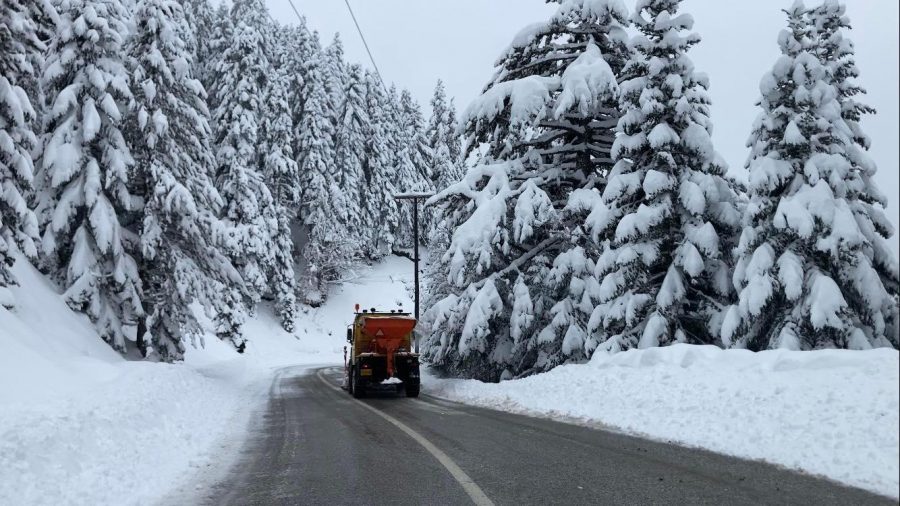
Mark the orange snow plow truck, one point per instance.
(381, 353)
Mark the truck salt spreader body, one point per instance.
(381, 349)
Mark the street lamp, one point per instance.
(415, 197)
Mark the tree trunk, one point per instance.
(141, 330)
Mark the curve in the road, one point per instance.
(318, 445)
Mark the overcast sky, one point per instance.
(417, 42)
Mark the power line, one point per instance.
(366, 44)
(299, 17)
(361, 36)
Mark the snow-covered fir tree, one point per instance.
(334, 75)
(443, 140)
(283, 177)
(180, 235)
(443, 145)
(86, 167)
(199, 20)
(299, 55)
(814, 269)
(667, 210)
(837, 53)
(220, 39)
(19, 42)
(412, 166)
(45, 18)
(323, 255)
(350, 147)
(379, 209)
(444, 148)
(242, 78)
(520, 269)
(38, 21)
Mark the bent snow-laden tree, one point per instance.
(667, 210)
(86, 166)
(18, 226)
(180, 235)
(520, 268)
(814, 267)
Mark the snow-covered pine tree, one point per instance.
(334, 76)
(350, 147)
(454, 141)
(520, 273)
(837, 53)
(413, 123)
(443, 141)
(334, 80)
(40, 19)
(283, 177)
(667, 209)
(199, 19)
(45, 18)
(443, 145)
(444, 169)
(379, 209)
(208, 63)
(86, 166)
(300, 55)
(807, 272)
(412, 166)
(19, 40)
(324, 254)
(242, 79)
(169, 135)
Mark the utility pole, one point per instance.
(415, 197)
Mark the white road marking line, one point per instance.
(468, 484)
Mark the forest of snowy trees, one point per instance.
(597, 215)
(159, 156)
(163, 156)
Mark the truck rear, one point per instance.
(381, 350)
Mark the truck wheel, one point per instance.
(350, 382)
(412, 390)
(359, 388)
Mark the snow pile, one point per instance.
(121, 441)
(81, 425)
(831, 412)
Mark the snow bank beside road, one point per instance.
(81, 425)
(832, 412)
(123, 441)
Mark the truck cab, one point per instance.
(381, 349)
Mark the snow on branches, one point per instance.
(813, 266)
(541, 132)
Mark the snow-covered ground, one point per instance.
(81, 425)
(832, 413)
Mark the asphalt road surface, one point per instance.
(318, 445)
